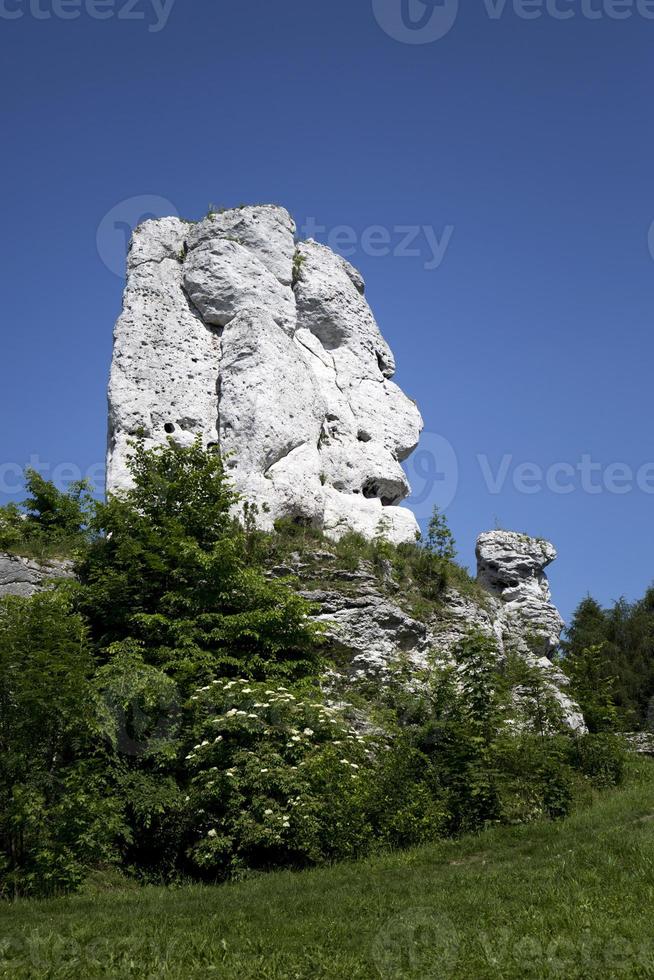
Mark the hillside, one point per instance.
(569, 899)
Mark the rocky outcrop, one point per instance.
(371, 628)
(231, 331)
(511, 567)
(24, 576)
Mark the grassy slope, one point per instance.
(574, 899)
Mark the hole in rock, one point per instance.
(363, 436)
(372, 489)
(169, 428)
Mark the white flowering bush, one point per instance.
(277, 777)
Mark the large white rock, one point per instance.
(222, 279)
(165, 364)
(231, 331)
(268, 232)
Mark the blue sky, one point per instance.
(522, 326)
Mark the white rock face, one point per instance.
(511, 567)
(270, 350)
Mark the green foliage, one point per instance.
(494, 737)
(593, 686)
(50, 522)
(440, 540)
(168, 708)
(568, 899)
(139, 706)
(616, 647)
(298, 262)
(11, 528)
(58, 815)
(172, 569)
(535, 707)
(258, 751)
(533, 779)
(601, 758)
(280, 778)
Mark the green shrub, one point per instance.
(532, 777)
(141, 717)
(59, 813)
(602, 758)
(280, 778)
(262, 762)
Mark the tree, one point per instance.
(625, 634)
(169, 567)
(50, 521)
(593, 686)
(589, 626)
(440, 540)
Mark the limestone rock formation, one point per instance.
(372, 629)
(511, 567)
(231, 331)
(267, 348)
(24, 576)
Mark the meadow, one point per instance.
(572, 898)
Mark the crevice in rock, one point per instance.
(280, 457)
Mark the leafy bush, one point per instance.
(532, 777)
(602, 758)
(141, 716)
(280, 778)
(260, 751)
(59, 814)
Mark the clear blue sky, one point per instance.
(532, 139)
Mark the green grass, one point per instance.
(572, 899)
